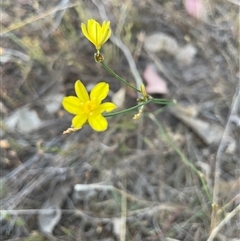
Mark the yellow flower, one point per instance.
(96, 33)
(89, 108)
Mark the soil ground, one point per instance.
(171, 175)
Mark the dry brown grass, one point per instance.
(140, 180)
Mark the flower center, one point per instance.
(89, 107)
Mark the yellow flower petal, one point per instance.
(107, 106)
(88, 109)
(72, 104)
(79, 120)
(85, 33)
(99, 92)
(81, 91)
(96, 33)
(97, 122)
(92, 30)
(106, 32)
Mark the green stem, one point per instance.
(118, 77)
(126, 110)
(183, 157)
(137, 106)
(163, 101)
(153, 100)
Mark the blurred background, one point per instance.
(171, 175)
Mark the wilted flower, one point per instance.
(89, 108)
(139, 114)
(143, 91)
(96, 33)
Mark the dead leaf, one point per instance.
(51, 213)
(161, 42)
(4, 144)
(118, 225)
(10, 55)
(3, 108)
(172, 239)
(119, 97)
(5, 17)
(53, 102)
(185, 55)
(229, 189)
(188, 110)
(210, 134)
(155, 84)
(24, 119)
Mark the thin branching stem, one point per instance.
(118, 77)
(126, 110)
(183, 157)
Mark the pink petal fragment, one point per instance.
(195, 8)
(155, 84)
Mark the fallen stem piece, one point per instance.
(228, 217)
